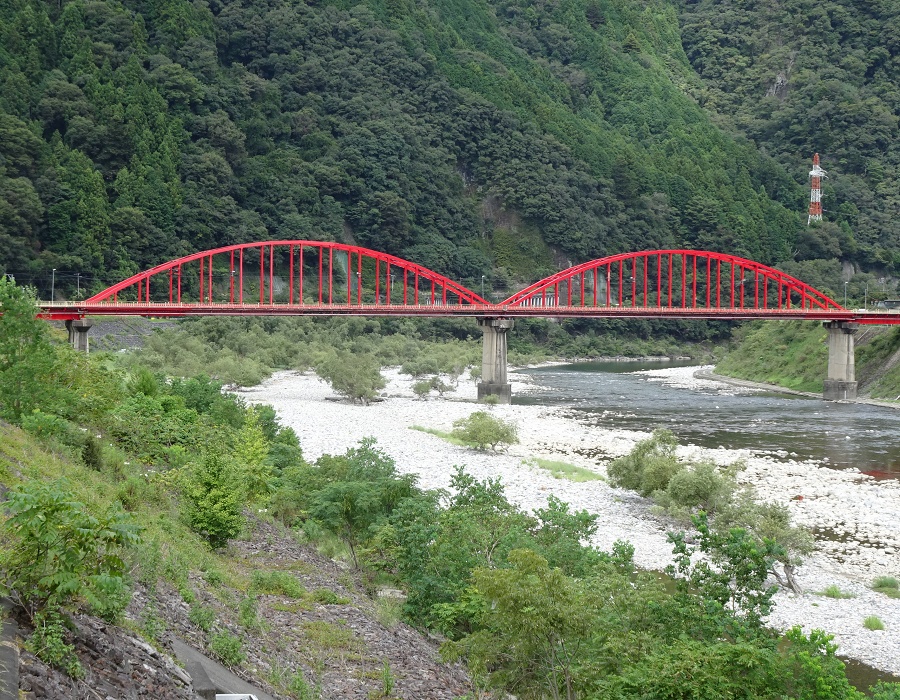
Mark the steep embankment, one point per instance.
(289, 621)
(794, 354)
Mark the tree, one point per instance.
(251, 452)
(482, 430)
(770, 521)
(356, 376)
(535, 623)
(731, 578)
(27, 360)
(214, 493)
(349, 508)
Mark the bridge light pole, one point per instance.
(845, 295)
(482, 286)
(53, 285)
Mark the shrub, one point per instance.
(873, 622)
(228, 648)
(48, 643)
(92, 453)
(886, 582)
(202, 616)
(648, 467)
(701, 486)
(328, 597)
(482, 430)
(885, 691)
(57, 553)
(422, 389)
(47, 427)
(214, 495)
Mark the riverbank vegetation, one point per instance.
(688, 490)
(179, 469)
(794, 354)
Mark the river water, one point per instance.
(841, 435)
(623, 395)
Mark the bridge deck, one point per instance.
(73, 310)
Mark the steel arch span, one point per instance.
(669, 281)
(293, 277)
(278, 276)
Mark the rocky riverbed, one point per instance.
(854, 517)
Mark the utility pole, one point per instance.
(815, 191)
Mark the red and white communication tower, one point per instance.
(815, 191)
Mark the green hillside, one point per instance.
(802, 76)
(475, 137)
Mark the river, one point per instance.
(840, 435)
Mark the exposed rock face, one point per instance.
(116, 665)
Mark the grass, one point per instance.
(564, 470)
(887, 585)
(833, 591)
(873, 622)
(328, 636)
(448, 437)
(277, 583)
(787, 353)
(388, 611)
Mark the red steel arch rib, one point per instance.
(277, 274)
(669, 281)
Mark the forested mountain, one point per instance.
(497, 137)
(800, 76)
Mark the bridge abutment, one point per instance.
(841, 380)
(493, 359)
(78, 334)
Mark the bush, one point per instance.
(202, 616)
(834, 591)
(92, 453)
(422, 389)
(48, 643)
(50, 428)
(481, 430)
(701, 486)
(888, 582)
(228, 648)
(648, 467)
(326, 596)
(57, 553)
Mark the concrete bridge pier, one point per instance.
(78, 334)
(841, 380)
(493, 359)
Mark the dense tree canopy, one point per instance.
(484, 137)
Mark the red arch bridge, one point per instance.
(287, 278)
